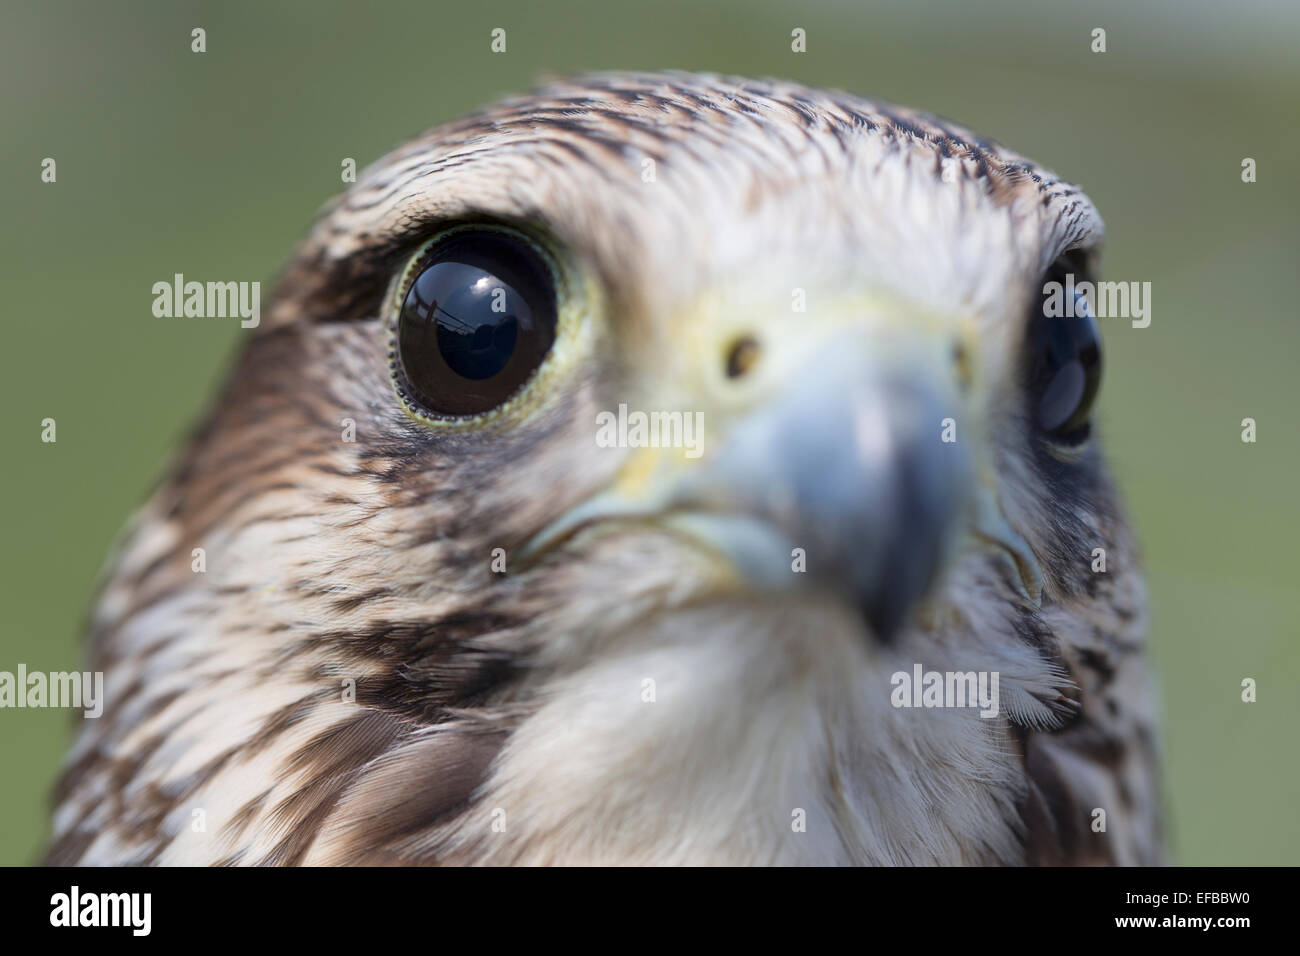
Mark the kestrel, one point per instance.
(397, 604)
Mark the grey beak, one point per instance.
(849, 463)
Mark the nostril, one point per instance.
(962, 364)
(742, 357)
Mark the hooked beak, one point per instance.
(856, 478)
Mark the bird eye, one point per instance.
(1063, 356)
(476, 319)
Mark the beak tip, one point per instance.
(884, 618)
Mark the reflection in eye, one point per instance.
(1064, 368)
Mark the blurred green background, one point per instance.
(213, 164)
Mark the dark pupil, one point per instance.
(475, 323)
(477, 316)
(1066, 371)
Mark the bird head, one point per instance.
(599, 459)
